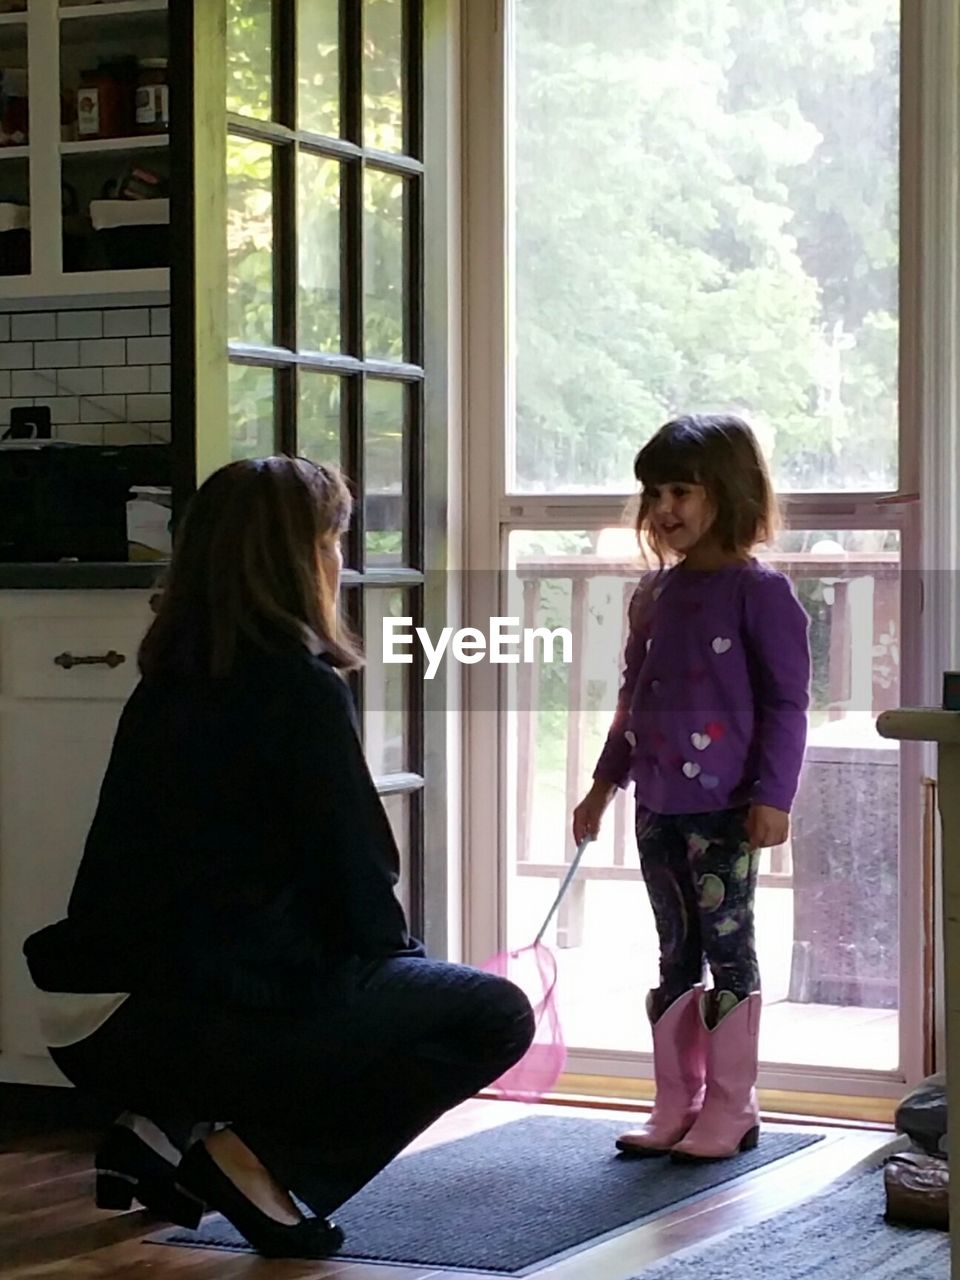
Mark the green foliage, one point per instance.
(706, 218)
(251, 232)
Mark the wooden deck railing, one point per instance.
(863, 599)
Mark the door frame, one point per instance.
(929, 417)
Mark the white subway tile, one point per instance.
(4, 385)
(31, 382)
(160, 321)
(106, 351)
(80, 433)
(80, 324)
(148, 351)
(16, 355)
(79, 382)
(103, 409)
(160, 378)
(63, 409)
(34, 327)
(58, 355)
(126, 433)
(7, 405)
(160, 432)
(126, 324)
(127, 380)
(148, 408)
(4, 328)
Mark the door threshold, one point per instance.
(613, 1093)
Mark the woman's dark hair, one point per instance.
(248, 567)
(719, 452)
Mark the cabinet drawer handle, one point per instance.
(110, 659)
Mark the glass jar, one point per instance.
(88, 106)
(153, 99)
(105, 100)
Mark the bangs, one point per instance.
(675, 454)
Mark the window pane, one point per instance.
(385, 686)
(318, 239)
(250, 241)
(383, 282)
(829, 970)
(249, 58)
(398, 814)
(706, 219)
(383, 74)
(318, 47)
(318, 422)
(251, 411)
(383, 483)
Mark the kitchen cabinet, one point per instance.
(67, 665)
(60, 183)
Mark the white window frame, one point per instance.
(929, 465)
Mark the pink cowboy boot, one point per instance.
(678, 1068)
(729, 1121)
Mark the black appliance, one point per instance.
(63, 501)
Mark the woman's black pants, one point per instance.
(325, 1098)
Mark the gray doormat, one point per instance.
(512, 1198)
(839, 1235)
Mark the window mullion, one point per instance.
(413, 79)
(285, 58)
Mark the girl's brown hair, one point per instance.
(721, 453)
(248, 569)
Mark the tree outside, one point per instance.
(706, 218)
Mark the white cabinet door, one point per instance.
(68, 662)
(53, 756)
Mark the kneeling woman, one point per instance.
(234, 956)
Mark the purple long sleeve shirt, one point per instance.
(712, 712)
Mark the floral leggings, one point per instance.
(701, 875)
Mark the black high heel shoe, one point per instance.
(200, 1176)
(129, 1168)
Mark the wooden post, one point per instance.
(570, 916)
(527, 703)
(886, 612)
(943, 728)
(839, 659)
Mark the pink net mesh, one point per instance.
(534, 970)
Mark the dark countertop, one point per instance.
(76, 576)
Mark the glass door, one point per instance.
(303, 135)
(707, 212)
(327, 338)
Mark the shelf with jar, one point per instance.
(87, 186)
(114, 125)
(113, 77)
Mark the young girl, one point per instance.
(711, 727)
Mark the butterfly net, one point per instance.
(534, 970)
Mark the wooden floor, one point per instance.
(50, 1229)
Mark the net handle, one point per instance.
(567, 881)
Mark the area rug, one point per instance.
(839, 1235)
(514, 1197)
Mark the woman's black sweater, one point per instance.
(239, 850)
